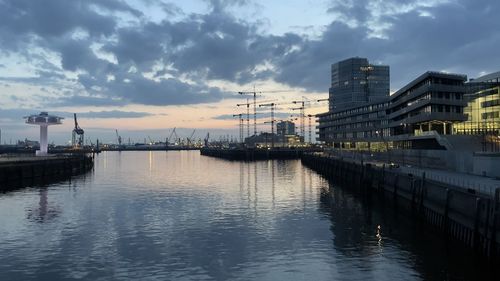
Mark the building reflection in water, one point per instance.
(367, 229)
(43, 212)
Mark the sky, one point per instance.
(145, 67)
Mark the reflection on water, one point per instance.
(178, 215)
(43, 211)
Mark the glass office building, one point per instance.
(356, 82)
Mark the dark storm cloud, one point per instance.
(25, 20)
(457, 36)
(411, 36)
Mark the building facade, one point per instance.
(355, 82)
(431, 104)
(483, 106)
(355, 127)
(285, 128)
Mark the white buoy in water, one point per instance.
(43, 120)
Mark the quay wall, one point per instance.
(467, 162)
(254, 154)
(16, 172)
(459, 213)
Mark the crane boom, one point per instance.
(77, 134)
(118, 137)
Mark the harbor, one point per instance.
(279, 214)
(249, 140)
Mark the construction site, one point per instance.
(278, 138)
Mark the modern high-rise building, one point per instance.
(355, 82)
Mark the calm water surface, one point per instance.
(182, 216)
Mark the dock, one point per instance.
(250, 154)
(23, 170)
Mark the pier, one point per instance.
(463, 214)
(18, 171)
(248, 154)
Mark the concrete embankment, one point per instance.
(25, 170)
(255, 154)
(461, 213)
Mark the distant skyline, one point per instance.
(145, 66)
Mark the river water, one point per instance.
(181, 216)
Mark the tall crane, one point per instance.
(170, 136)
(205, 140)
(190, 139)
(240, 125)
(273, 107)
(77, 134)
(254, 94)
(118, 137)
(302, 115)
(247, 104)
(305, 103)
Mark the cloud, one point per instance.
(19, 113)
(260, 115)
(172, 61)
(114, 114)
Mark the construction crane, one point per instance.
(241, 120)
(302, 115)
(254, 94)
(247, 104)
(305, 103)
(77, 135)
(118, 138)
(273, 107)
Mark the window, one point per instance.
(490, 115)
(490, 103)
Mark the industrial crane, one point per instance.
(77, 135)
(205, 140)
(190, 139)
(170, 136)
(118, 138)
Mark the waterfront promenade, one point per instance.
(469, 182)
